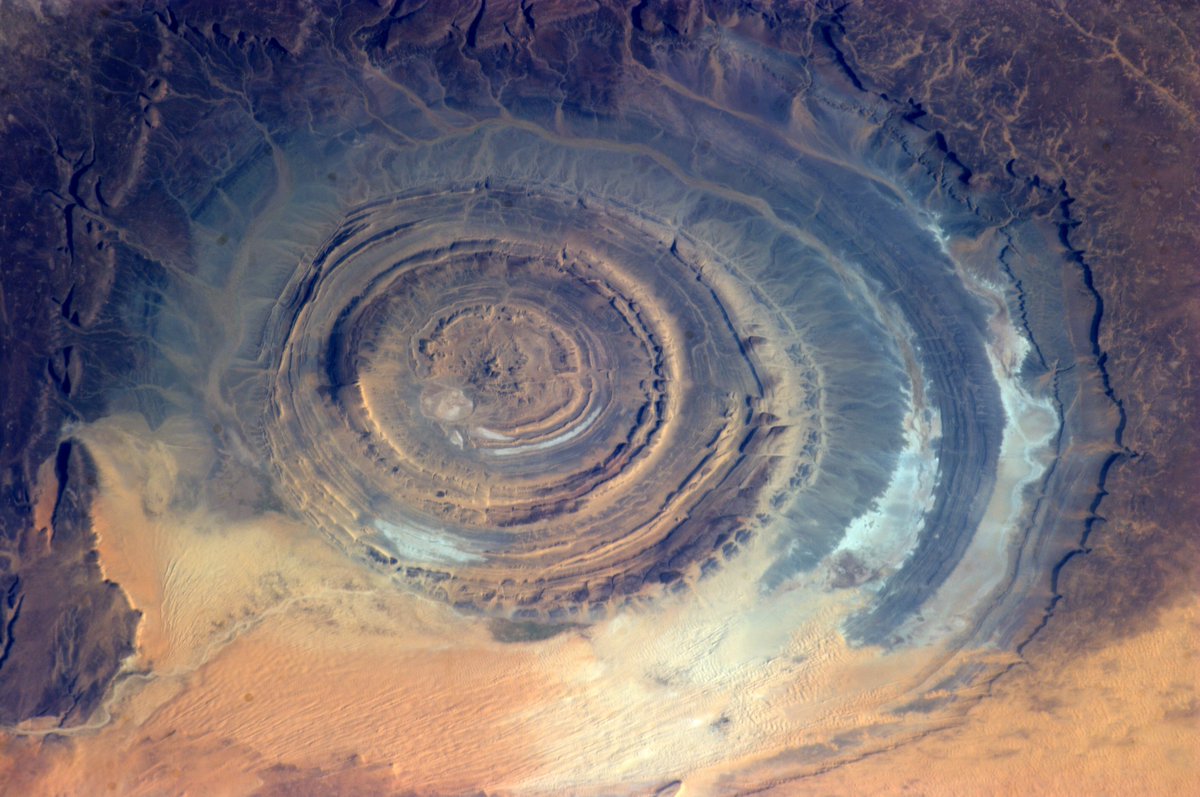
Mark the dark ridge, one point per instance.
(964, 174)
(79, 168)
(62, 380)
(473, 28)
(13, 599)
(68, 213)
(1076, 256)
(831, 27)
(527, 13)
(65, 307)
(637, 15)
(58, 367)
(100, 200)
(62, 461)
(916, 112)
(1022, 311)
(1065, 225)
(166, 17)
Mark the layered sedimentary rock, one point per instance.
(530, 410)
(652, 339)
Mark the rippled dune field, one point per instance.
(598, 399)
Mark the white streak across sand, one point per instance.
(487, 434)
(1026, 450)
(885, 536)
(552, 442)
(417, 544)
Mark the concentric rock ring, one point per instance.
(529, 410)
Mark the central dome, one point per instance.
(508, 389)
(527, 419)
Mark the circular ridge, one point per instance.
(526, 427)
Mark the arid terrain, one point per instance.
(592, 398)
